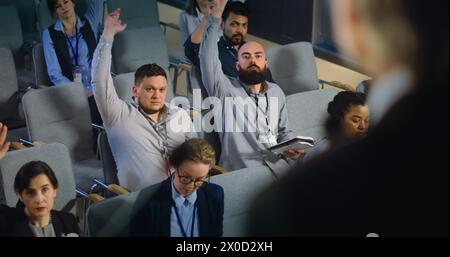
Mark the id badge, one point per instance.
(77, 75)
(272, 139)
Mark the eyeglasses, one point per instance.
(188, 180)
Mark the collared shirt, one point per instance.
(136, 145)
(239, 109)
(93, 16)
(46, 231)
(386, 91)
(185, 207)
(188, 24)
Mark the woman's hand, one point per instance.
(4, 147)
(219, 7)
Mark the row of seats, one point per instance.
(112, 217)
(61, 114)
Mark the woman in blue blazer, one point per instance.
(184, 205)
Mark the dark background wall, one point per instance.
(281, 21)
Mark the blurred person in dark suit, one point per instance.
(394, 182)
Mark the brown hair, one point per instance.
(51, 4)
(196, 150)
(148, 70)
(31, 170)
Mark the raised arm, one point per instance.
(213, 77)
(192, 41)
(94, 14)
(109, 105)
(3, 146)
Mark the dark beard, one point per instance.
(253, 77)
(149, 111)
(236, 39)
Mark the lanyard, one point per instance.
(256, 100)
(163, 136)
(179, 219)
(259, 108)
(74, 51)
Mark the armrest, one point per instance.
(95, 198)
(98, 127)
(38, 143)
(41, 87)
(337, 84)
(90, 197)
(17, 146)
(118, 190)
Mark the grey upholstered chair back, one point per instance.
(240, 189)
(293, 67)
(128, 53)
(107, 158)
(123, 84)
(61, 114)
(136, 13)
(27, 14)
(56, 155)
(307, 112)
(112, 217)
(136, 47)
(40, 66)
(8, 83)
(10, 29)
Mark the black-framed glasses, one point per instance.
(188, 180)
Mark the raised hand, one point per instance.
(207, 10)
(219, 6)
(3, 146)
(113, 25)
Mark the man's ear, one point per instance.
(222, 25)
(237, 66)
(134, 90)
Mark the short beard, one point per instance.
(150, 111)
(253, 77)
(235, 42)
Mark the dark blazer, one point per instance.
(151, 215)
(392, 183)
(14, 223)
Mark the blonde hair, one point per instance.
(394, 33)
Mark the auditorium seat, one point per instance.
(307, 112)
(112, 217)
(56, 155)
(61, 114)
